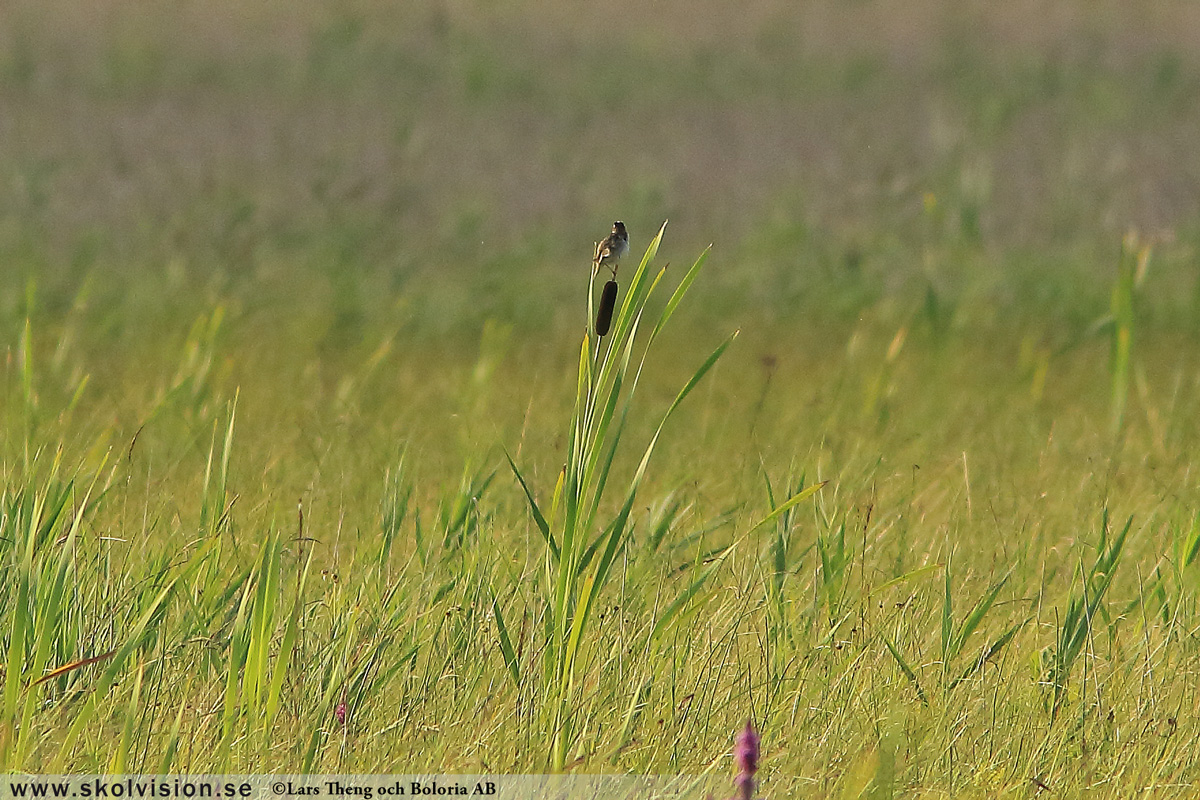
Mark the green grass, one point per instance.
(308, 461)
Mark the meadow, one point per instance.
(310, 462)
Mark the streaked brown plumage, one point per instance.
(608, 252)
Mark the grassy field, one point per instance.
(284, 288)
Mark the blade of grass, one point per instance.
(506, 648)
(685, 597)
(906, 669)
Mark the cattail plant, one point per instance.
(583, 537)
(581, 547)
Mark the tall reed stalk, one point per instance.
(582, 536)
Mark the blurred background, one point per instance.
(337, 156)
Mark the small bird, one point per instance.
(608, 252)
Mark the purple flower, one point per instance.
(340, 712)
(745, 760)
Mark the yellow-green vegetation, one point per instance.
(310, 459)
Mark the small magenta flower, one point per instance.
(340, 712)
(745, 760)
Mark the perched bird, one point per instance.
(608, 252)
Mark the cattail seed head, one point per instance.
(608, 299)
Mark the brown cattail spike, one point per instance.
(608, 299)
